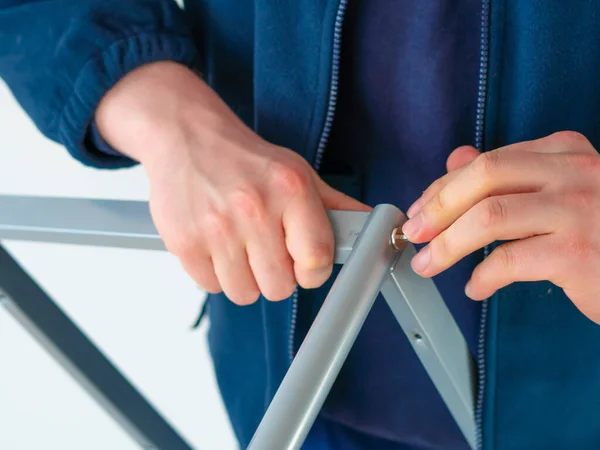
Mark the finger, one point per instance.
(506, 217)
(308, 236)
(531, 259)
(230, 260)
(270, 261)
(433, 189)
(336, 200)
(456, 161)
(262, 236)
(200, 268)
(492, 173)
(461, 157)
(235, 277)
(560, 142)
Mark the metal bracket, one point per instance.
(371, 264)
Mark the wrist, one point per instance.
(142, 115)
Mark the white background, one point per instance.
(138, 307)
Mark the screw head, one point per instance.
(398, 238)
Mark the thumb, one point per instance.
(461, 157)
(336, 200)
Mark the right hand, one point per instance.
(242, 215)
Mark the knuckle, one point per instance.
(247, 201)
(580, 247)
(585, 162)
(578, 199)
(321, 255)
(492, 212)
(507, 258)
(442, 246)
(569, 138)
(436, 186)
(217, 224)
(290, 180)
(486, 165)
(437, 203)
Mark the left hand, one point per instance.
(542, 196)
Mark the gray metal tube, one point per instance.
(325, 348)
(436, 338)
(118, 223)
(110, 223)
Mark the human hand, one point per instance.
(242, 215)
(543, 196)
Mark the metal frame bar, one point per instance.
(436, 339)
(371, 265)
(77, 354)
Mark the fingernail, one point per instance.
(415, 207)
(412, 226)
(421, 260)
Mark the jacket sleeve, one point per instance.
(59, 57)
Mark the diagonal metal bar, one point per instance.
(73, 350)
(435, 337)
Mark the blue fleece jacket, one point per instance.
(274, 63)
(407, 97)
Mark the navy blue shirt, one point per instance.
(407, 98)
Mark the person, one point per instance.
(481, 119)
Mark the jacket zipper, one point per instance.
(479, 131)
(331, 103)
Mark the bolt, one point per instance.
(398, 238)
